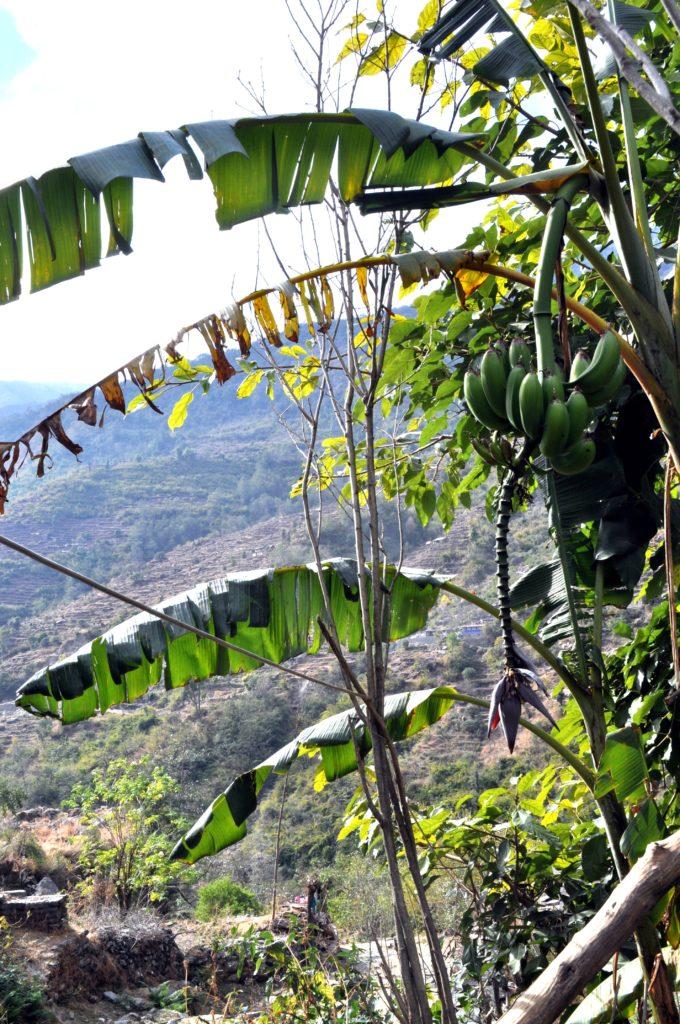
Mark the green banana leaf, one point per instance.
(271, 613)
(335, 739)
(598, 1006)
(256, 166)
(514, 57)
(633, 20)
(456, 195)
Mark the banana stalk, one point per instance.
(550, 250)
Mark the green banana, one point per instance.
(478, 405)
(579, 365)
(493, 377)
(515, 378)
(579, 415)
(606, 358)
(611, 388)
(552, 388)
(519, 353)
(531, 405)
(555, 429)
(576, 459)
(504, 352)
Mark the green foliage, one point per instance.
(222, 896)
(11, 797)
(124, 856)
(22, 999)
(309, 988)
(532, 845)
(165, 998)
(360, 903)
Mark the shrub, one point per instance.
(222, 895)
(129, 825)
(11, 797)
(21, 998)
(21, 847)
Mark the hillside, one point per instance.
(153, 512)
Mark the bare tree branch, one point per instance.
(657, 95)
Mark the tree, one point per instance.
(124, 854)
(397, 416)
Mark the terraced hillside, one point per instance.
(153, 513)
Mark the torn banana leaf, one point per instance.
(270, 612)
(541, 183)
(336, 740)
(256, 166)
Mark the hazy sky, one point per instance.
(75, 76)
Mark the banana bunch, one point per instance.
(509, 396)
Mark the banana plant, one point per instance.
(256, 166)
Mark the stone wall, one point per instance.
(44, 912)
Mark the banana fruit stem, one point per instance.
(550, 250)
(502, 560)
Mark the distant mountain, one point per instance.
(23, 402)
(25, 392)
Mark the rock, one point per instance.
(31, 813)
(46, 887)
(139, 1004)
(111, 997)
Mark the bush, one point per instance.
(11, 797)
(20, 846)
(125, 852)
(222, 895)
(21, 998)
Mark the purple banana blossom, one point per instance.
(510, 691)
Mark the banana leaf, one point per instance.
(542, 182)
(256, 166)
(625, 523)
(336, 740)
(271, 613)
(514, 57)
(600, 1006)
(633, 20)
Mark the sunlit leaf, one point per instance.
(180, 410)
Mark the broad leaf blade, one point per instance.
(622, 768)
(271, 613)
(334, 739)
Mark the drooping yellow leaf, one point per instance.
(235, 322)
(265, 318)
(420, 74)
(362, 282)
(180, 410)
(328, 304)
(291, 326)
(308, 312)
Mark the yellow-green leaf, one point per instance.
(384, 57)
(353, 45)
(428, 15)
(180, 410)
(249, 383)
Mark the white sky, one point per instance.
(100, 74)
